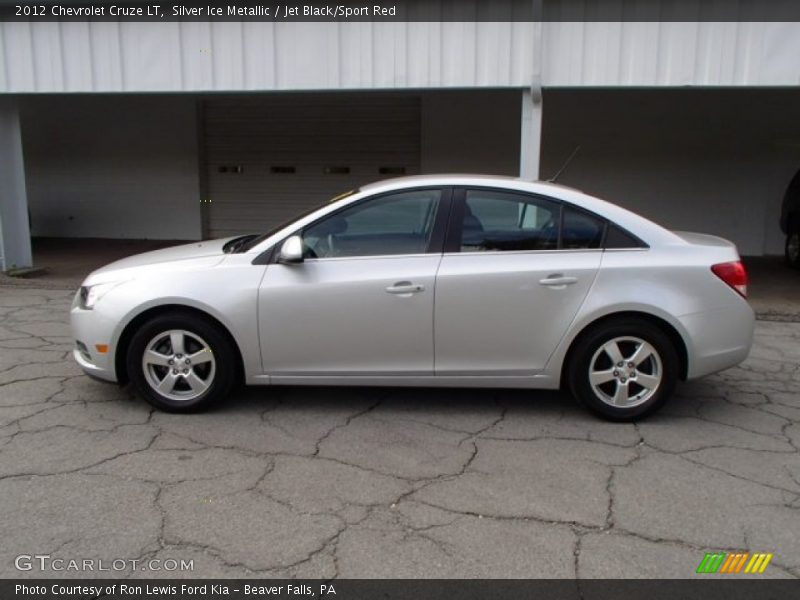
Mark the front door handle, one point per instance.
(558, 280)
(405, 287)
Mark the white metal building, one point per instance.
(184, 130)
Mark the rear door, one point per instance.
(516, 268)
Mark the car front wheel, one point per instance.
(624, 370)
(181, 362)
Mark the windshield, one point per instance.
(250, 242)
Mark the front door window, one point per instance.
(399, 223)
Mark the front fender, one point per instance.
(229, 295)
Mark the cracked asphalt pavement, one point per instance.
(369, 482)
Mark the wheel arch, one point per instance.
(123, 343)
(675, 337)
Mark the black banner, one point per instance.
(732, 588)
(398, 10)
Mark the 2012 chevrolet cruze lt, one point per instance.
(426, 281)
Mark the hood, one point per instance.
(187, 256)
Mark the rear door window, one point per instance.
(505, 221)
(581, 230)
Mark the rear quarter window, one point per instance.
(618, 238)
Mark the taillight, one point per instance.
(734, 274)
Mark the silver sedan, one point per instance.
(467, 281)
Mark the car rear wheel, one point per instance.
(792, 249)
(181, 362)
(624, 370)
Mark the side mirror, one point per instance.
(292, 251)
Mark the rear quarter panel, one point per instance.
(674, 283)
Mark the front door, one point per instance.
(361, 303)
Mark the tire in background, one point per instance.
(792, 249)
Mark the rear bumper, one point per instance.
(718, 339)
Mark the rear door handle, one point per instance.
(558, 280)
(405, 287)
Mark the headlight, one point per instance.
(90, 294)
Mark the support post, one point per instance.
(15, 237)
(531, 133)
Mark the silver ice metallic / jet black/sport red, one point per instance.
(426, 281)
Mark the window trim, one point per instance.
(435, 243)
(452, 243)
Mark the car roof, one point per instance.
(463, 179)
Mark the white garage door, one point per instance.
(272, 157)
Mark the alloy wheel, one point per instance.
(625, 372)
(178, 365)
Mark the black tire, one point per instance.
(791, 249)
(623, 333)
(213, 374)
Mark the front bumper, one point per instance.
(92, 370)
(89, 328)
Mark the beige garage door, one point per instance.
(268, 158)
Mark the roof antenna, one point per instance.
(564, 166)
